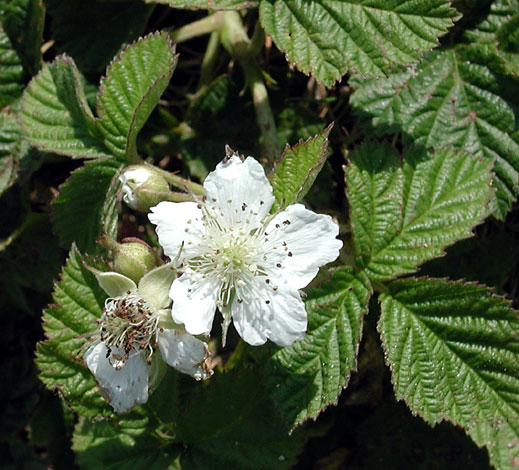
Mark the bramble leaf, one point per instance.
(453, 350)
(23, 21)
(404, 213)
(326, 39)
(11, 72)
(297, 168)
(86, 205)
(457, 97)
(55, 115)
(78, 302)
(134, 82)
(305, 378)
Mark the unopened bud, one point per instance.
(143, 187)
(132, 257)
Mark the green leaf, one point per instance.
(404, 213)
(134, 82)
(86, 205)
(78, 302)
(229, 424)
(23, 21)
(296, 170)
(453, 350)
(329, 38)
(499, 13)
(208, 4)
(457, 97)
(11, 72)
(55, 116)
(91, 47)
(120, 444)
(305, 378)
(9, 137)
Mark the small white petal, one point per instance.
(178, 223)
(194, 302)
(277, 315)
(115, 284)
(184, 352)
(123, 388)
(131, 179)
(245, 185)
(310, 241)
(154, 286)
(289, 322)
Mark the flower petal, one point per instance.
(278, 315)
(185, 353)
(245, 185)
(154, 286)
(115, 284)
(179, 225)
(194, 302)
(302, 241)
(123, 388)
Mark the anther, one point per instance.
(289, 253)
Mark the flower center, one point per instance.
(128, 324)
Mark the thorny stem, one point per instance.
(206, 25)
(180, 182)
(237, 43)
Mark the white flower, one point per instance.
(134, 321)
(242, 260)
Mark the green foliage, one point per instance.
(328, 39)
(23, 21)
(306, 377)
(78, 302)
(406, 212)
(229, 424)
(9, 135)
(116, 24)
(120, 444)
(131, 89)
(296, 170)
(457, 97)
(86, 205)
(55, 116)
(11, 72)
(454, 356)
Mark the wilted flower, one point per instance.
(135, 321)
(239, 258)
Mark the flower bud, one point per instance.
(143, 187)
(132, 257)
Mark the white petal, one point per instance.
(154, 286)
(194, 302)
(115, 284)
(184, 352)
(289, 322)
(179, 225)
(303, 241)
(123, 388)
(244, 184)
(278, 315)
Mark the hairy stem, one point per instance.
(201, 27)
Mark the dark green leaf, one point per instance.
(453, 350)
(404, 213)
(11, 72)
(86, 205)
(296, 170)
(208, 4)
(306, 377)
(134, 82)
